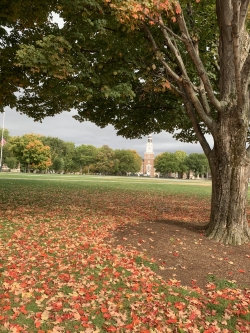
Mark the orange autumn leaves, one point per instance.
(132, 12)
(60, 273)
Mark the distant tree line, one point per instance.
(40, 153)
(179, 162)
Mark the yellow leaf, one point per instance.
(76, 315)
(45, 315)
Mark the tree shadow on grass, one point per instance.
(191, 226)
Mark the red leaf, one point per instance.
(178, 9)
(179, 305)
(111, 329)
(129, 326)
(23, 310)
(192, 316)
(172, 321)
(39, 315)
(104, 310)
(106, 315)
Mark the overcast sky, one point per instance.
(65, 127)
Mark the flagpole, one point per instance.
(1, 156)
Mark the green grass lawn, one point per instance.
(59, 272)
(190, 187)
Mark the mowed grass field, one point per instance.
(59, 271)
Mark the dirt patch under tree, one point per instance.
(182, 252)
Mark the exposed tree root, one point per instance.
(229, 236)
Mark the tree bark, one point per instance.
(229, 165)
(228, 223)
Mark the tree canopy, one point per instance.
(21, 21)
(108, 77)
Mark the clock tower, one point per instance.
(148, 162)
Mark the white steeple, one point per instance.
(149, 146)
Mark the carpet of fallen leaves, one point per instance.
(59, 274)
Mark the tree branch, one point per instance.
(243, 13)
(245, 69)
(202, 91)
(204, 100)
(245, 76)
(173, 48)
(200, 136)
(197, 105)
(237, 50)
(159, 56)
(197, 62)
(184, 80)
(162, 25)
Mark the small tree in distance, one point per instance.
(166, 163)
(31, 152)
(181, 157)
(128, 161)
(198, 163)
(106, 162)
(85, 155)
(58, 164)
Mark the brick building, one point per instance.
(148, 161)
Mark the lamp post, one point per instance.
(1, 156)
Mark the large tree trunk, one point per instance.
(229, 159)
(229, 165)
(228, 222)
